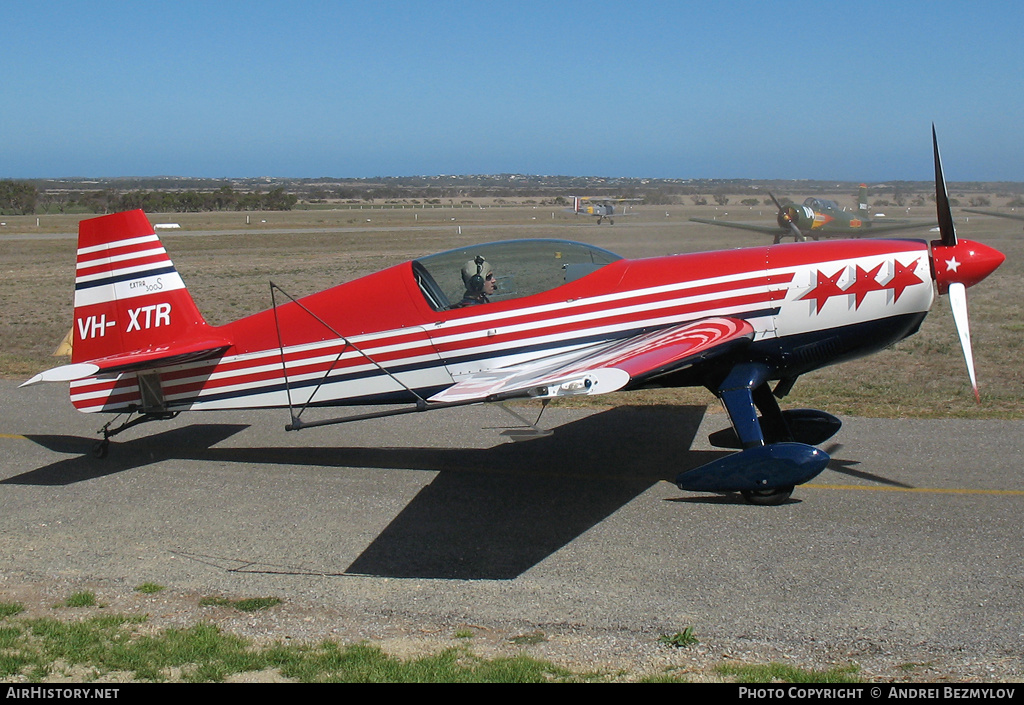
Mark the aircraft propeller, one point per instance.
(958, 264)
(785, 217)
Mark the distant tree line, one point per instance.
(223, 199)
(22, 198)
(185, 195)
(17, 198)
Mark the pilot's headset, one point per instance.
(474, 273)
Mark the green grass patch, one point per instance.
(255, 604)
(681, 639)
(248, 604)
(9, 609)
(366, 663)
(81, 599)
(149, 588)
(781, 673)
(31, 648)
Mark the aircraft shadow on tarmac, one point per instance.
(489, 513)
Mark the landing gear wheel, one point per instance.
(100, 449)
(768, 498)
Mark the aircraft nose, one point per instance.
(966, 262)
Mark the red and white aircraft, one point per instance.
(566, 319)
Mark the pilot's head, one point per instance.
(478, 276)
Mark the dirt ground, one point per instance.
(616, 656)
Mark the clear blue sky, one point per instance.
(803, 89)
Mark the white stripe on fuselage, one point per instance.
(509, 352)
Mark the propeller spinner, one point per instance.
(958, 264)
(787, 217)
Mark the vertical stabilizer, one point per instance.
(129, 298)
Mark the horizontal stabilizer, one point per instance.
(138, 360)
(64, 373)
(162, 356)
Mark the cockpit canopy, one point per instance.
(821, 205)
(521, 268)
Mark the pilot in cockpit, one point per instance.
(478, 277)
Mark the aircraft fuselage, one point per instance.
(374, 339)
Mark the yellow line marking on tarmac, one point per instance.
(12, 435)
(930, 490)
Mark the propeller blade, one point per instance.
(958, 304)
(945, 215)
(799, 236)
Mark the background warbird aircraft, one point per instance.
(568, 319)
(819, 217)
(995, 214)
(603, 208)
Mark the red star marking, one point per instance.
(902, 277)
(866, 281)
(827, 288)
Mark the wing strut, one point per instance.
(297, 422)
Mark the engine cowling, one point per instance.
(800, 216)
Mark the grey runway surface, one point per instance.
(908, 548)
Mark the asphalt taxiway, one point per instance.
(909, 545)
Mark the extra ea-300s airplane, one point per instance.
(434, 333)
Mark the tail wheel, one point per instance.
(101, 448)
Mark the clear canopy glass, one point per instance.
(521, 268)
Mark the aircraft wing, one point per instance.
(875, 227)
(1012, 216)
(868, 230)
(606, 367)
(766, 229)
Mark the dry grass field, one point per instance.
(227, 260)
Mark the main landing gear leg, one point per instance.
(773, 422)
(770, 463)
(743, 393)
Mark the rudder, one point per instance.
(129, 298)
